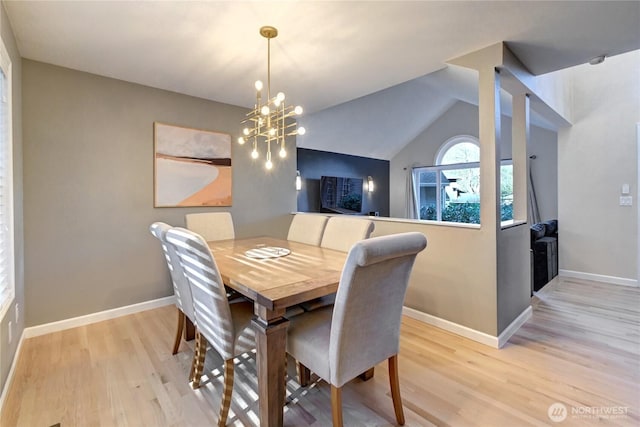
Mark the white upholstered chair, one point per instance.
(211, 225)
(362, 329)
(180, 284)
(343, 231)
(340, 233)
(307, 229)
(224, 326)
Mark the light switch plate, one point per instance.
(626, 201)
(625, 188)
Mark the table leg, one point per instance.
(271, 339)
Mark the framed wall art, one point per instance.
(192, 167)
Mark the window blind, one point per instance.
(7, 285)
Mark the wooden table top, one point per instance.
(276, 283)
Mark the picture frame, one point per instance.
(192, 167)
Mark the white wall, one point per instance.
(553, 90)
(595, 157)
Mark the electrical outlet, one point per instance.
(626, 200)
(10, 332)
(17, 313)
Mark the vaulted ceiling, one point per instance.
(327, 52)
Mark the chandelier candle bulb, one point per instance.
(270, 120)
(268, 164)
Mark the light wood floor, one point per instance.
(581, 349)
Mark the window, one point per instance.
(6, 186)
(450, 191)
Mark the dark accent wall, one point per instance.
(313, 164)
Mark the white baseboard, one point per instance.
(61, 325)
(74, 322)
(514, 326)
(599, 278)
(472, 334)
(12, 370)
(456, 328)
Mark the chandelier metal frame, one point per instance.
(270, 120)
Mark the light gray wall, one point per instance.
(514, 274)
(455, 277)
(595, 157)
(544, 170)
(8, 350)
(88, 178)
(462, 119)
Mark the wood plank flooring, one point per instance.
(581, 349)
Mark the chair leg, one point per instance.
(395, 389)
(304, 374)
(286, 362)
(194, 362)
(336, 405)
(201, 344)
(226, 392)
(176, 343)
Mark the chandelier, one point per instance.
(269, 122)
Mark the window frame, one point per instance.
(7, 290)
(438, 169)
(458, 139)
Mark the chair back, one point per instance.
(210, 303)
(365, 327)
(342, 232)
(180, 284)
(307, 228)
(211, 225)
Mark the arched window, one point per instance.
(459, 149)
(450, 190)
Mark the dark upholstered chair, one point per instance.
(544, 249)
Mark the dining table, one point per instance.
(276, 274)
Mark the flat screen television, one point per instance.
(340, 194)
